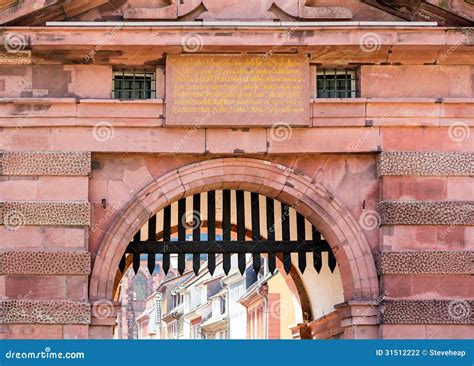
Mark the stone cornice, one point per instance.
(245, 37)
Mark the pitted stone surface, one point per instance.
(45, 163)
(44, 312)
(45, 263)
(426, 212)
(427, 312)
(425, 163)
(16, 214)
(425, 262)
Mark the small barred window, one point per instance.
(134, 84)
(337, 83)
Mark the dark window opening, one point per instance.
(134, 84)
(337, 83)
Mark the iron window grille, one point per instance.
(134, 84)
(337, 83)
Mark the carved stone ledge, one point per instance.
(426, 212)
(45, 163)
(425, 262)
(44, 312)
(427, 312)
(15, 214)
(425, 164)
(45, 263)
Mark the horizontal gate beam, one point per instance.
(226, 247)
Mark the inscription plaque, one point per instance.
(237, 90)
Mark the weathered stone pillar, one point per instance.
(359, 319)
(44, 259)
(425, 260)
(103, 319)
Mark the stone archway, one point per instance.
(323, 210)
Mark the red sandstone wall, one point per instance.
(369, 153)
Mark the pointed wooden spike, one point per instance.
(331, 261)
(211, 263)
(152, 228)
(226, 227)
(166, 263)
(181, 263)
(241, 229)
(181, 219)
(136, 237)
(271, 262)
(226, 263)
(257, 262)
(285, 222)
(302, 261)
(151, 262)
(166, 223)
(270, 203)
(317, 261)
(211, 229)
(196, 263)
(226, 215)
(287, 262)
(136, 262)
(241, 262)
(122, 263)
(197, 217)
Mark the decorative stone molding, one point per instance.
(425, 262)
(44, 312)
(45, 163)
(425, 163)
(15, 214)
(45, 263)
(426, 212)
(427, 312)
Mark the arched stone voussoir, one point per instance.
(311, 199)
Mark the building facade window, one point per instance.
(134, 84)
(336, 83)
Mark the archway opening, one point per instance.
(248, 252)
(341, 231)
